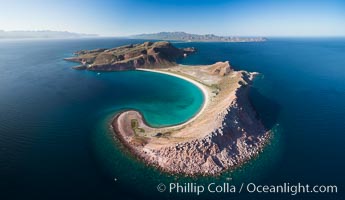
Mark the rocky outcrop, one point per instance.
(220, 68)
(129, 57)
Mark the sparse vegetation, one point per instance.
(135, 127)
(165, 134)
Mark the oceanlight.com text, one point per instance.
(285, 188)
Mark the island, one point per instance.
(189, 37)
(223, 135)
(147, 55)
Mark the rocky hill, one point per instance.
(129, 57)
(220, 68)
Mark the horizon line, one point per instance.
(129, 35)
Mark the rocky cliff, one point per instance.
(129, 57)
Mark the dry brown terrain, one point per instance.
(150, 55)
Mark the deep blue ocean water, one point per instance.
(55, 140)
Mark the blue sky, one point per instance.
(126, 17)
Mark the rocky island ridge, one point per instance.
(129, 57)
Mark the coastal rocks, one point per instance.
(130, 57)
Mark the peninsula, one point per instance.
(223, 135)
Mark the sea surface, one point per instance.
(56, 142)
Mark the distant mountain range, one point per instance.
(41, 34)
(182, 36)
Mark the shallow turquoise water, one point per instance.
(56, 143)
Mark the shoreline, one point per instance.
(195, 83)
(223, 135)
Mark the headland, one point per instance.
(223, 135)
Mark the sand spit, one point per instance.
(223, 135)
